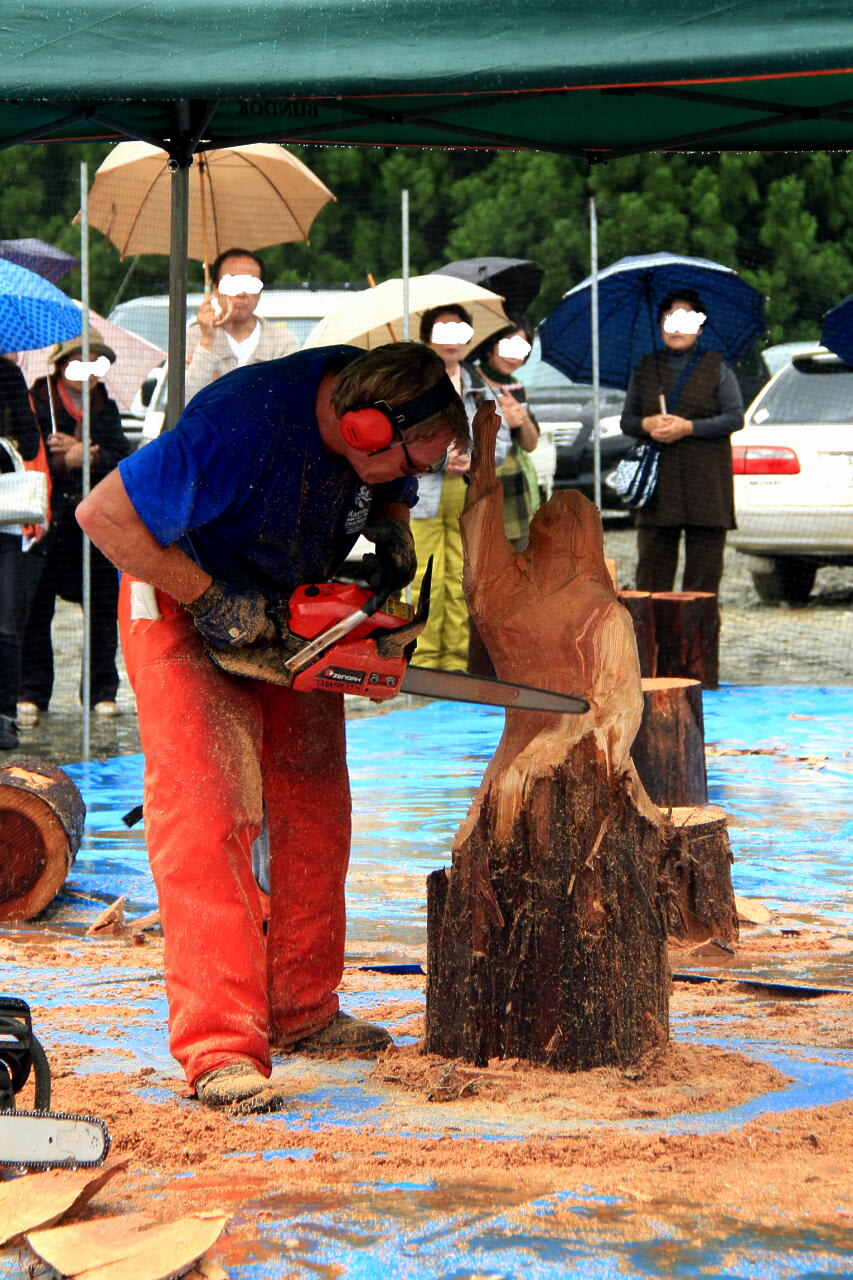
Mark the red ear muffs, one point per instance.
(367, 429)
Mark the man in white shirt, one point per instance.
(226, 333)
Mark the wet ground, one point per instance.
(760, 644)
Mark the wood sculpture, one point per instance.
(547, 938)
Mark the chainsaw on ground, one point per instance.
(341, 638)
(38, 1139)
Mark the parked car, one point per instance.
(299, 309)
(793, 469)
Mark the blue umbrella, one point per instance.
(33, 312)
(837, 331)
(629, 293)
(38, 256)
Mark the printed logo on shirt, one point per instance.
(356, 517)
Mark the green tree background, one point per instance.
(781, 220)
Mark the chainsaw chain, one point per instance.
(60, 1164)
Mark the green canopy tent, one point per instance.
(593, 80)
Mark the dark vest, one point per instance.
(694, 483)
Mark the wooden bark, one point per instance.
(698, 869)
(642, 614)
(41, 826)
(669, 750)
(687, 626)
(547, 938)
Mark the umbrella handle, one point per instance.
(388, 326)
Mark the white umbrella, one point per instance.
(135, 358)
(373, 317)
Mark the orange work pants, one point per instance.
(218, 750)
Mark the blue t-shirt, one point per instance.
(244, 486)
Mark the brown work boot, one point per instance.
(346, 1037)
(239, 1087)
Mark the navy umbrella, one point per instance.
(38, 256)
(837, 331)
(517, 280)
(33, 312)
(629, 293)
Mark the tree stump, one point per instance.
(687, 627)
(698, 869)
(41, 826)
(669, 750)
(641, 610)
(547, 938)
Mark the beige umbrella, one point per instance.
(375, 316)
(135, 358)
(245, 197)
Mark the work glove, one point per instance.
(392, 566)
(228, 618)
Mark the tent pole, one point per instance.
(404, 215)
(86, 439)
(596, 408)
(178, 291)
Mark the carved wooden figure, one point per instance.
(547, 938)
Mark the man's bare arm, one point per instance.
(109, 518)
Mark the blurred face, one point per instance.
(401, 458)
(72, 363)
(450, 352)
(510, 353)
(242, 304)
(674, 324)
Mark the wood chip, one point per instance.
(751, 912)
(128, 1247)
(41, 1199)
(110, 923)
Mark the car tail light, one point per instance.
(764, 460)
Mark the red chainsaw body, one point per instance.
(352, 665)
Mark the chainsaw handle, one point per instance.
(313, 648)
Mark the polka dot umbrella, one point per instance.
(33, 312)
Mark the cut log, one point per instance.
(669, 750)
(641, 610)
(547, 938)
(698, 868)
(41, 826)
(687, 627)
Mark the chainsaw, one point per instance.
(38, 1139)
(341, 638)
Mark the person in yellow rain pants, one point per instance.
(435, 521)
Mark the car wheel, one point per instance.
(787, 578)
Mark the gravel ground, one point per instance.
(760, 644)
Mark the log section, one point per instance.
(669, 750)
(698, 869)
(41, 826)
(642, 614)
(547, 938)
(687, 627)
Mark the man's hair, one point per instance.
(680, 295)
(396, 373)
(429, 318)
(216, 268)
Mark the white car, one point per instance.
(793, 470)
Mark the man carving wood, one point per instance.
(547, 939)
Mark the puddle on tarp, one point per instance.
(413, 775)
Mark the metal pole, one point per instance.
(596, 409)
(87, 469)
(404, 214)
(178, 291)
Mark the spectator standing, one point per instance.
(226, 334)
(441, 497)
(498, 361)
(689, 402)
(18, 426)
(56, 560)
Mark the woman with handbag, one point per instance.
(688, 403)
(19, 429)
(58, 557)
